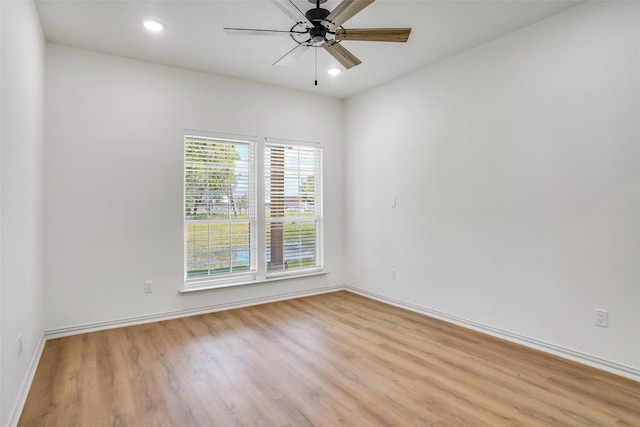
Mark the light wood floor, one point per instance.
(328, 360)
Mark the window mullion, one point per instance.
(260, 233)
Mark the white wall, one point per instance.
(516, 171)
(21, 302)
(113, 180)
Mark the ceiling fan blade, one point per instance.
(292, 11)
(259, 32)
(340, 53)
(288, 57)
(345, 11)
(374, 34)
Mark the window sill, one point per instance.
(213, 285)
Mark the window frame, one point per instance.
(318, 216)
(222, 279)
(258, 254)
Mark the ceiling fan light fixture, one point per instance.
(153, 26)
(334, 71)
(317, 34)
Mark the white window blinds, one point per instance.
(219, 206)
(293, 206)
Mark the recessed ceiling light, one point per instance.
(333, 71)
(154, 26)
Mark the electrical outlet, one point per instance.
(393, 203)
(394, 273)
(601, 318)
(148, 286)
(20, 343)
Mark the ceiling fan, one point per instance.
(319, 27)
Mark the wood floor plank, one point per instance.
(336, 359)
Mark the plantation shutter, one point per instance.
(219, 207)
(293, 206)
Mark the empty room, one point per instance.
(319, 213)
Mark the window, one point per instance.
(293, 206)
(220, 208)
(226, 241)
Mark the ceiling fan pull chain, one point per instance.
(316, 52)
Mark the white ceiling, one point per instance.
(194, 37)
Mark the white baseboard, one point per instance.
(21, 399)
(138, 320)
(575, 356)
